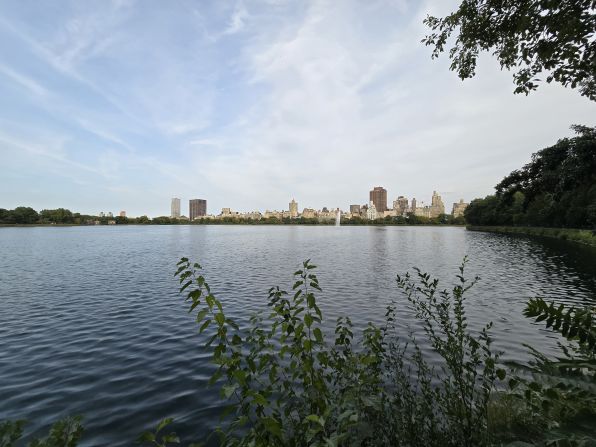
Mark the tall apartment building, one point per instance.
(371, 211)
(197, 208)
(378, 196)
(436, 205)
(401, 205)
(459, 208)
(293, 209)
(175, 208)
(354, 209)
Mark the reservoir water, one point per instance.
(91, 322)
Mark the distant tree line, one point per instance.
(24, 215)
(28, 216)
(410, 219)
(556, 189)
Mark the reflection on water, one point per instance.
(91, 322)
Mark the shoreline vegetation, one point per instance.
(586, 237)
(26, 216)
(555, 190)
(215, 223)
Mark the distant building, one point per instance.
(423, 211)
(293, 209)
(110, 214)
(197, 208)
(175, 208)
(102, 214)
(413, 206)
(378, 196)
(122, 213)
(371, 212)
(401, 206)
(253, 215)
(309, 213)
(436, 207)
(275, 214)
(326, 214)
(459, 208)
(355, 209)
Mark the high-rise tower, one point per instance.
(436, 206)
(175, 208)
(378, 196)
(197, 208)
(293, 209)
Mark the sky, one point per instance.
(122, 105)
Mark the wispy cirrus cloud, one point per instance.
(28, 83)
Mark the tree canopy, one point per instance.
(60, 215)
(557, 37)
(556, 189)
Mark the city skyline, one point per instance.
(249, 104)
(401, 206)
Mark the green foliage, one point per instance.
(155, 439)
(574, 324)
(10, 432)
(20, 215)
(164, 220)
(561, 392)
(458, 406)
(24, 215)
(64, 433)
(59, 215)
(556, 37)
(286, 384)
(586, 237)
(410, 219)
(556, 189)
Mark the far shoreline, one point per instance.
(383, 224)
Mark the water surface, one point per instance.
(91, 322)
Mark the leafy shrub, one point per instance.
(286, 384)
(562, 391)
(64, 433)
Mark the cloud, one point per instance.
(349, 106)
(253, 103)
(53, 151)
(237, 20)
(31, 85)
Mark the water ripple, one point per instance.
(91, 322)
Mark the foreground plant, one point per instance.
(287, 385)
(65, 433)
(562, 391)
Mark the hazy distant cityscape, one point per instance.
(402, 211)
(376, 208)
